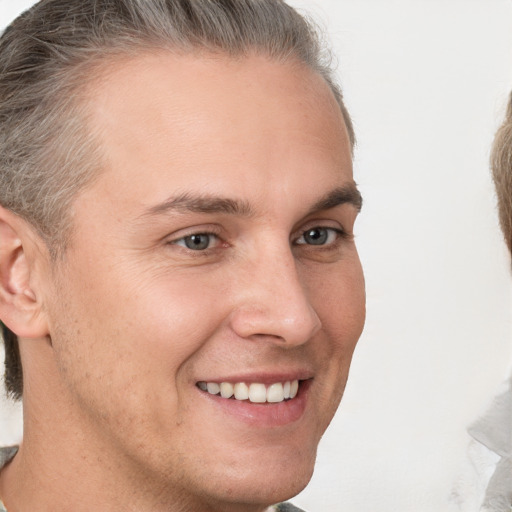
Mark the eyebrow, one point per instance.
(186, 202)
(347, 194)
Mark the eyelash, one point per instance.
(191, 237)
(330, 232)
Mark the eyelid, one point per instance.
(200, 229)
(320, 223)
(180, 235)
(339, 233)
(178, 241)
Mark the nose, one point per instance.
(272, 303)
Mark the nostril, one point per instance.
(269, 337)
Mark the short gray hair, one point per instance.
(49, 53)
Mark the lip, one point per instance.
(266, 378)
(262, 415)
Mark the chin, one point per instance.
(264, 483)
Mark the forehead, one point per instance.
(215, 119)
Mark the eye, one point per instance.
(318, 236)
(198, 241)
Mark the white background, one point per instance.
(426, 82)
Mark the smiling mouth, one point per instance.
(256, 392)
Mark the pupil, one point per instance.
(197, 242)
(316, 236)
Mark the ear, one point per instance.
(20, 303)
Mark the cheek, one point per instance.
(138, 310)
(341, 306)
(175, 315)
(136, 325)
(123, 351)
(338, 296)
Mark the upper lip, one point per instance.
(263, 377)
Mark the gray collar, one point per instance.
(6, 455)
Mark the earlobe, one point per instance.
(20, 306)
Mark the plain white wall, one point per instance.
(426, 83)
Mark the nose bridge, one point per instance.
(272, 301)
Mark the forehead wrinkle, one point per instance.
(204, 203)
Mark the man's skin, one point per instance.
(252, 157)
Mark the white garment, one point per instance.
(487, 485)
(494, 431)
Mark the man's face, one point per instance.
(214, 251)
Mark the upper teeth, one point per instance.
(255, 392)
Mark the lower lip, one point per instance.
(265, 415)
